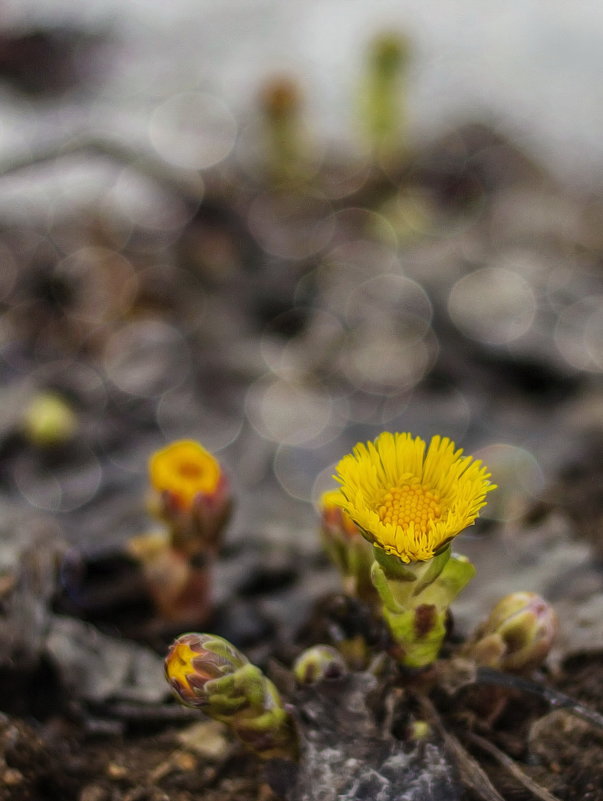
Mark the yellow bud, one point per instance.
(195, 659)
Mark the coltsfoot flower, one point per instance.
(194, 494)
(184, 470)
(207, 672)
(410, 502)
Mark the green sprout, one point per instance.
(383, 97)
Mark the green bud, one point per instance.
(49, 420)
(517, 635)
(389, 53)
(207, 672)
(419, 730)
(318, 663)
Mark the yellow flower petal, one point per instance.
(408, 501)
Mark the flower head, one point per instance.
(193, 495)
(407, 501)
(193, 660)
(184, 469)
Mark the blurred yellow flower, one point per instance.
(184, 470)
(409, 502)
(334, 518)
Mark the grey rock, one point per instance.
(347, 756)
(98, 668)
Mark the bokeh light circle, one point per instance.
(380, 361)
(193, 130)
(99, 284)
(63, 489)
(518, 476)
(287, 412)
(579, 334)
(295, 469)
(290, 226)
(492, 305)
(146, 358)
(309, 351)
(390, 299)
(181, 414)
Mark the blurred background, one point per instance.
(280, 228)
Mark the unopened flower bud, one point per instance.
(517, 635)
(419, 730)
(207, 672)
(389, 53)
(195, 659)
(280, 98)
(346, 546)
(318, 663)
(335, 521)
(193, 495)
(49, 420)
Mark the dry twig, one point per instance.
(513, 768)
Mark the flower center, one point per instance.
(402, 506)
(190, 470)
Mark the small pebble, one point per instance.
(116, 771)
(93, 792)
(12, 776)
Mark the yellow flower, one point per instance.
(184, 470)
(406, 501)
